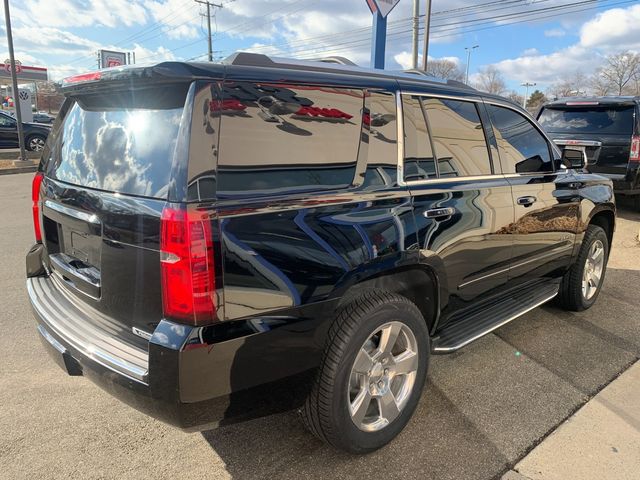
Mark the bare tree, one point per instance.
(443, 68)
(620, 71)
(49, 96)
(515, 97)
(599, 86)
(574, 85)
(490, 80)
(561, 89)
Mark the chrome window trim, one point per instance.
(476, 99)
(463, 98)
(400, 123)
(400, 141)
(473, 178)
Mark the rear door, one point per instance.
(603, 131)
(546, 202)
(107, 171)
(462, 205)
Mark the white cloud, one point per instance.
(555, 32)
(177, 18)
(145, 55)
(609, 31)
(530, 52)
(617, 28)
(80, 13)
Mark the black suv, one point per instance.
(217, 242)
(606, 130)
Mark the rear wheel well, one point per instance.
(416, 284)
(605, 220)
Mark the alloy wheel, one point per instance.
(383, 376)
(593, 269)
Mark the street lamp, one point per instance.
(469, 50)
(526, 95)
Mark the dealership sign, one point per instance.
(24, 72)
(109, 58)
(384, 7)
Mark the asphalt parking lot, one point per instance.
(485, 407)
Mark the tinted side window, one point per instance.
(458, 137)
(522, 147)
(379, 121)
(283, 138)
(7, 122)
(418, 157)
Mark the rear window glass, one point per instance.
(588, 120)
(119, 142)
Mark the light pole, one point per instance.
(427, 28)
(14, 81)
(469, 50)
(415, 30)
(526, 94)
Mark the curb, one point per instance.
(9, 171)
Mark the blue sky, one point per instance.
(542, 41)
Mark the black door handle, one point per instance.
(527, 201)
(439, 212)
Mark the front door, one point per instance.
(546, 202)
(462, 207)
(8, 132)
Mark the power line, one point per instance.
(358, 43)
(209, 5)
(571, 8)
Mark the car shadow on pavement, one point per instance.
(439, 442)
(484, 407)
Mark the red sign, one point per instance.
(113, 62)
(7, 66)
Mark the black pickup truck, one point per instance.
(216, 242)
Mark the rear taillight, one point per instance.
(35, 198)
(187, 266)
(634, 154)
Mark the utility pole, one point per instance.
(427, 25)
(209, 5)
(469, 50)
(14, 81)
(526, 95)
(416, 30)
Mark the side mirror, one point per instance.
(573, 158)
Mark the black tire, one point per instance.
(326, 411)
(28, 141)
(570, 296)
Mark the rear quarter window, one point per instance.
(278, 138)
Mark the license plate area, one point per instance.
(74, 243)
